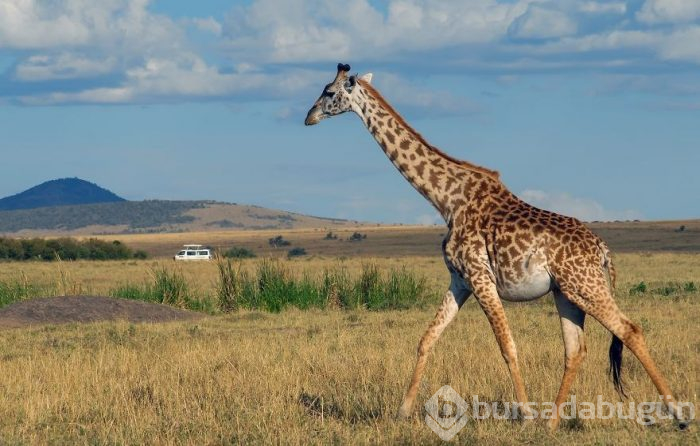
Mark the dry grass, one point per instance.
(323, 376)
(99, 277)
(309, 377)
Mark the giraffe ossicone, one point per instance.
(498, 247)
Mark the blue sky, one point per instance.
(588, 108)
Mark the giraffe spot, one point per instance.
(390, 137)
(420, 168)
(434, 179)
(441, 202)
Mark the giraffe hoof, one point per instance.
(404, 413)
(683, 425)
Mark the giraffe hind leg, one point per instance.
(572, 319)
(602, 307)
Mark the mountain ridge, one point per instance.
(155, 216)
(59, 192)
(75, 206)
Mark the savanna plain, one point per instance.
(328, 372)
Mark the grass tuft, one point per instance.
(273, 287)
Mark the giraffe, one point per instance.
(498, 247)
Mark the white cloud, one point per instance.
(602, 7)
(605, 41)
(319, 30)
(26, 24)
(412, 97)
(125, 24)
(541, 23)
(678, 44)
(307, 31)
(186, 76)
(115, 95)
(43, 67)
(208, 24)
(137, 55)
(582, 208)
(683, 45)
(669, 11)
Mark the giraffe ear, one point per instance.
(366, 78)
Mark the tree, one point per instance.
(278, 241)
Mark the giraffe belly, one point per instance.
(533, 281)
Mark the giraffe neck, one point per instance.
(434, 174)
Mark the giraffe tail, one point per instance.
(615, 355)
(616, 346)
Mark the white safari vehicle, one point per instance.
(193, 252)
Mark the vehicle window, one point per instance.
(191, 253)
(203, 253)
(181, 253)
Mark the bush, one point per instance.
(278, 241)
(140, 254)
(65, 249)
(357, 237)
(239, 253)
(296, 252)
(639, 288)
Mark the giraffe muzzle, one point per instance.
(313, 117)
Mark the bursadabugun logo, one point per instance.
(447, 412)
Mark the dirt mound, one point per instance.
(60, 310)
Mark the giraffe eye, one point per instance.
(328, 93)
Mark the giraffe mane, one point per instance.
(466, 164)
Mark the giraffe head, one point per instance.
(336, 97)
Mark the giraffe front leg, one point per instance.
(490, 302)
(451, 303)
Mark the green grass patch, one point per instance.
(167, 286)
(272, 287)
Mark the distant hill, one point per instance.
(151, 216)
(61, 192)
